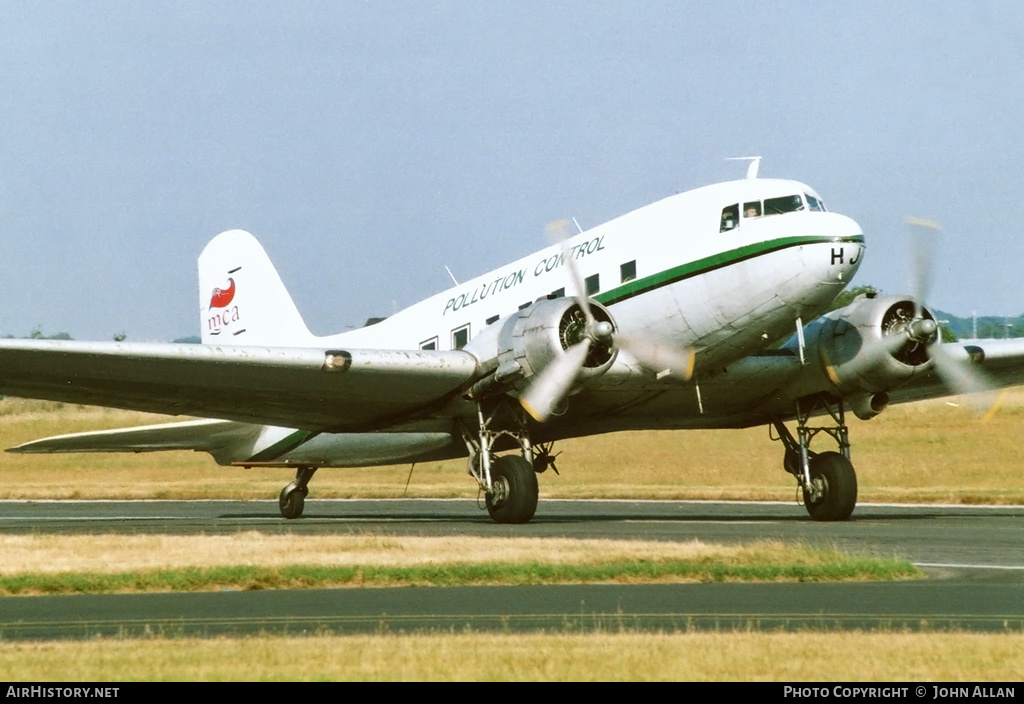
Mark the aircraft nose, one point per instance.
(848, 245)
(844, 226)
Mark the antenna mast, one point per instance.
(754, 163)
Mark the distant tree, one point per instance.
(37, 334)
(120, 336)
(190, 340)
(998, 330)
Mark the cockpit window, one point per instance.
(752, 209)
(814, 204)
(730, 217)
(786, 204)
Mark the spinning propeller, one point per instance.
(959, 376)
(556, 380)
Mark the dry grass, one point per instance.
(115, 554)
(930, 451)
(109, 554)
(775, 657)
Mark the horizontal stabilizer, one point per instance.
(213, 436)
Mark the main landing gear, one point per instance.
(827, 479)
(508, 482)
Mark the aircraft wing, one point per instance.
(332, 390)
(1000, 362)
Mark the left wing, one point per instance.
(332, 390)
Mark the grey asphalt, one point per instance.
(974, 557)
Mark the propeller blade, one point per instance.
(961, 377)
(957, 373)
(658, 356)
(554, 382)
(923, 240)
(558, 233)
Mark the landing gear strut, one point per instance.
(509, 482)
(827, 480)
(293, 496)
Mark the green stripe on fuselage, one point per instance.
(285, 444)
(715, 261)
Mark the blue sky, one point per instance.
(370, 144)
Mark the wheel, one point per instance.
(834, 492)
(292, 500)
(514, 499)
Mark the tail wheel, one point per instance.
(513, 498)
(833, 492)
(292, 500)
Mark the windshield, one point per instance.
(785, 204)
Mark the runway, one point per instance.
(974, 557)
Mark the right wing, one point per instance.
(1000, 362)
(331, 390)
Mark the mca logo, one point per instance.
(222, 298)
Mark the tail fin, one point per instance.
(242, 300)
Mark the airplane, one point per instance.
(707, 309)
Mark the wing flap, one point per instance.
(315, 389)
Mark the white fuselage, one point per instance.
(684, 277)
(674, 269)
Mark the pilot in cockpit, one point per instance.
(730, 217)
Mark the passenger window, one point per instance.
(430, 344)
(460, 337)
(752, 209)
(730, 217)
(627, 271)
(786, 204)
(493, 319)
(558, 293)
(592, 284)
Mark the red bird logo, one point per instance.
(222, 297)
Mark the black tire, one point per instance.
(292, 501)
(514, 499)
(836, 488)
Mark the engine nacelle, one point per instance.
(528, 341)
(850, 345)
